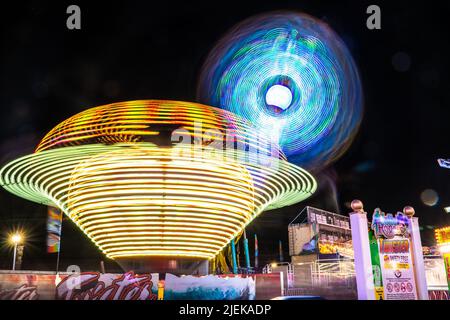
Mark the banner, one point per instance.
(209, 288)
(256, 252)
(132, 286)
(376, 267)
(54, 222)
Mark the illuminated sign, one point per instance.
(333, 247)
(394, 246)
(443, 235)
(389, 226)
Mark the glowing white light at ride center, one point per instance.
(279, 96)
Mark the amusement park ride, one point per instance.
(166, 185)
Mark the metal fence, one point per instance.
(335, 279)
(331, 279)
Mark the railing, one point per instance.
(332, 279)
(340, 273)
(337, 277)
(329, 278)
(323, 273)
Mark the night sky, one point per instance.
(139, 50)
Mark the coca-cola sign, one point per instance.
(96, 286)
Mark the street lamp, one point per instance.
(15, 239)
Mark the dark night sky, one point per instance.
(139, 50)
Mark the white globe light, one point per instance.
(279, 96)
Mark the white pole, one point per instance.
(282, 282)
(14, 259)
(417, 255)
(361, 248)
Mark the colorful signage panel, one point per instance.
(344, 248)
(392, 264)
(397, 269)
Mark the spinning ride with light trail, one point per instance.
(291, 74)
(158, 185)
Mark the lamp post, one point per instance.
(15, 239)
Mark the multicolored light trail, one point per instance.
(316, 108)
(117, 172)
